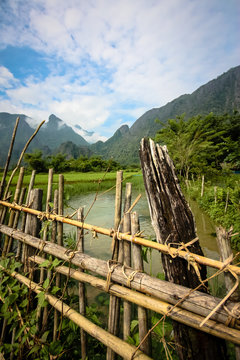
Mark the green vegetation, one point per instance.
(202, 144)
(59, 163)
(208, 145)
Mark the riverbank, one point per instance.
(220, 199)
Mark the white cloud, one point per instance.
(104, 55)
(7, 79)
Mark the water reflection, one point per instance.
(102, 214)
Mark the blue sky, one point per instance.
(103, 63)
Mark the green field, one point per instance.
(77, 182)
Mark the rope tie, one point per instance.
(42, 245)
(130, 277)
(110, 271)
(70, 254)
(233, 314)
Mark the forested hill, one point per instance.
(220, 95)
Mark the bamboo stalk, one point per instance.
(81, 288)
(136, 240)
(8, 157)
(45, 237)
(197, 302)
(122, 348)
(21, 156)
(114, 304)
(138, 265)
(186, 317)
(126, 262)
(54, 240)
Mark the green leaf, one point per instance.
(46, 283)
(46, 264)
(55, 289)
(35, 349)
(134, 324)
(24, 303)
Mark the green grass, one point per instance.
(77, 183)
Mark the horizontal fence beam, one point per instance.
(121, 236)
(196, 302)
(119, 346)
(161, 307)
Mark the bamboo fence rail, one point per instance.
(188, 256)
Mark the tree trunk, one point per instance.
(173, 223)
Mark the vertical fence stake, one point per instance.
(114, 302)
(138, 265)
(81, 288)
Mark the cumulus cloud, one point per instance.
(107, 58)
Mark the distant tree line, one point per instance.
(202, 144)
(60, 163)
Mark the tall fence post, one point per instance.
(173, 223)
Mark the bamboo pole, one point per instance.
(8, 157)
(197, 302)
(186, 317)
(54, 240)
(136, 240)
(59, 242)
(114, 303)
(127, 259)
(122, 348)
(138, 265)
(126, 262)
(21, 156)
(45, 237)
(81, 287)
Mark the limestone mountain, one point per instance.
(220, 95)
(51, 135)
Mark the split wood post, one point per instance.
(173, 223)
(114, 302)
(33, 224)
(81, 288)
(8, 157)
(138, 265)
(16, 219)
(224, 247)
(8, 240)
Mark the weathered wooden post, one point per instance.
(174, 224)
(224, 247)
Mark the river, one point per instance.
(102, 214)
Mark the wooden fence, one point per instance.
(35, 238)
